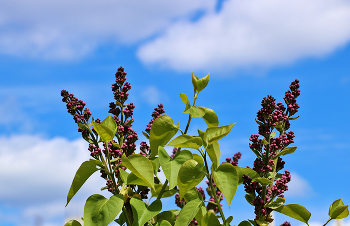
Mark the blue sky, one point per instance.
(251, 49)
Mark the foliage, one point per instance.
(131, 176)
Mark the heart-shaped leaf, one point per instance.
(190, 174)
(110, 123)
(188, 212)
(99, 211)
(295, 211)
(140, 166)
(162, 130)
(85, 170)
(170, 166)
(226, 179)
(186, 141)
(143, 213)
(213, 134)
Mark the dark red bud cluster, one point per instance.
(158, 111)
(235, 158)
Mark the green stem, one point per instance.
(125, 212)
(327, 221)
(163, 189)
(213, 190)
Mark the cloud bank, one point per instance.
(67, 30)
(250, 33)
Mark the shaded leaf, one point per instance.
(170, 166)
(263, 181)
(188, 212)
(168, 216)
(72, 223)
(277, 203)
(99, 211)
(190, 174)
(245, 223)
(243, 170)
(209, 219)
(213, 151)
(338, 210)
(143, 213)
(210, 118)
(167, 193)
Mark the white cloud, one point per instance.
(36, 174)
(256, 33)
(70, 29)
(298, 187)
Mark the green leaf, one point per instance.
(170, 166)
(243, 170)
(97, 162)
(164, 223)
(72, 223)
(249, 197)
(276, 204)
(199, 84)
(286, 151)
(201, 135)
(263, 181)
(110, 123)
(168, 216)
(186, 141)
(209, 219)
(190, 174)
(85, 170)
(167, 193)
(338, 210)
(143, 213)
(156, 165)
(199, 159)
(295, 211)
(105, 133)
(99, 211)
(140, 166)
(188, 212)
(210, 118)
(293, 118)
(213, 151)
(262, 222)
(192, 194)
(132, 179)
(186, 101)
(245, 223)
(213, 134)
(226, 179)
(197, 112)
(145, 134)
(162, 130)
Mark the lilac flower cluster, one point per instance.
(158, 111)
(235, 158)
(271, 116)
(75, 107)
(144, 148)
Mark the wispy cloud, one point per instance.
(252, 33)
